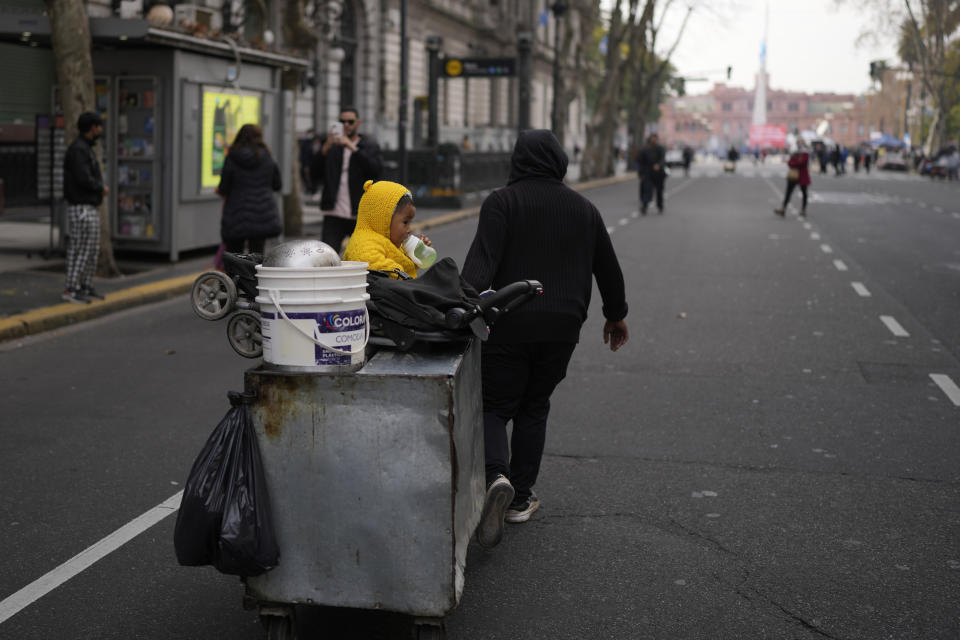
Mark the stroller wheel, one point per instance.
(213, 295)
(243, 332)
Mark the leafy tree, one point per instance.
(926, 32)
(624, 40)
(631, 85)
(934, 23)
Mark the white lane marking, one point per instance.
(611, 229)
(680, 187)
(861, 290)
(956, 214)
(807, 226)
(840, 265)
(938, 209)
(83, 560)
(894, 326)
(922, 205)
(814, 236)
(772, 186)
(948, 386)
(826, 248)
(635, 214)
(908, 200)
(624, 221)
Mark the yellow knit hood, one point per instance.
(370, 241)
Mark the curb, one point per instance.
(462, 214)
(61, 315)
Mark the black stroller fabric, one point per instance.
(225, 518)
(422, 303)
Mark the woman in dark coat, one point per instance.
(799, 175)
(249, 178)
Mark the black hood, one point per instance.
(537, 154)
(248, 157)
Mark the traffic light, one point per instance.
(681, 86)
(729, 70)
(873, 70)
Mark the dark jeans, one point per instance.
(790, 185)
(647, 188)
(235, 245)
(518, 380)
(335, 229)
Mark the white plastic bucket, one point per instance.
(315, 318)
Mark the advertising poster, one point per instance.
(224, 112)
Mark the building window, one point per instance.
(793, 107)
(727, 106)
(726, 127)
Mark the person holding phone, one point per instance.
(346, 161)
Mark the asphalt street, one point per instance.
(774, 454)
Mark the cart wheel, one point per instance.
(243, 332)
(279, 627)
(430, 631)
(213, 295)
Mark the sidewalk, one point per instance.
(31, 277)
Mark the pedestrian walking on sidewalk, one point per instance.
(247, 182)
(651, 169)
(798, 174)
(535, 228)
(83, 190)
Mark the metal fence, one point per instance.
(446, 176)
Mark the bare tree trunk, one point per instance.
(292, 203)
(598, 151)
(70, 37)
(573, 43)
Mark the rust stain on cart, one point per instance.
(279, 402)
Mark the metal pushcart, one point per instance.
(376, 482)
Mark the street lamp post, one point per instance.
(558, 8)
(402, 115)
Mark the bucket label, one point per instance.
(341, 330)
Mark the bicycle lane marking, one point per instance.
(40, 587)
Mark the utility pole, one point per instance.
(524, 75)
(558, 8)
(433, 122)
(402, 115)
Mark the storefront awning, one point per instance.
(29, 29)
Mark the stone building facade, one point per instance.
(359, 64)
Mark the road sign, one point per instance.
(478, 67)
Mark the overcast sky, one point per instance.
(811, 45)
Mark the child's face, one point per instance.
(400, 224)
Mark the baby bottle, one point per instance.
(422, 255)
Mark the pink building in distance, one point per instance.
(722, 117)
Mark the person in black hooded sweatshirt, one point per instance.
(247, 182)
(535, 228)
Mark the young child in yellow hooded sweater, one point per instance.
(383, 223)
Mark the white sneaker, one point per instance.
(521, 511)
(499, 495)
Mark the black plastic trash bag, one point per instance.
(225, 518)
